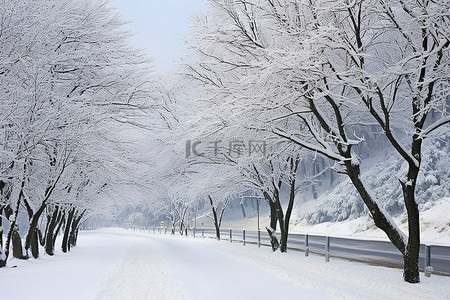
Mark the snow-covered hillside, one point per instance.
(381, 174)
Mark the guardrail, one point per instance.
(368, 251)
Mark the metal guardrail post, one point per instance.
(259, 238)
(165, 230)
(203, 232)
(327, 249)
(243, 237)
(306, 245)
(231, 235)
(193, 232)
(428, 268)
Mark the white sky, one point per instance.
(160, 26)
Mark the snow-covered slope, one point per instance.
(434, 225)
(381, 174)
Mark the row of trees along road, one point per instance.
(315, 75)
(70, 85)
(267, 87)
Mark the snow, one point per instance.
(380, 173)
(56, 277)
(437, 124)
(434, 225)
(120, 264)
(355, 160)
(431, 179)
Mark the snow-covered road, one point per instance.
(183, 268)
(120, 264)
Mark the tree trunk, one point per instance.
(181, 228)
(273, 211)
(65, 242)
(60, 223)
(49, 238)
(41, 237)
(410, 247)
(378, 215)
(33, 225)
(8, 212)
(216, 221)
(273, 222)
(2, 261)
(17, 244)
(217, 230)
(73, 237)
(282, 222)
(13, 237)
(34, 240)
(287, 217)
(35, 244)
(411, 257)
(13, 234)
(280, 217)
(283, 240)
(1, 230)
(74, 231)
(47, 225)
(273, 239)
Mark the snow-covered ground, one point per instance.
(120, 264)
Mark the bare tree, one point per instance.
(316, 73)
(358, 79)
(70, 85)
(218, 213)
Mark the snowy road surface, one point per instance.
(120, 264)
